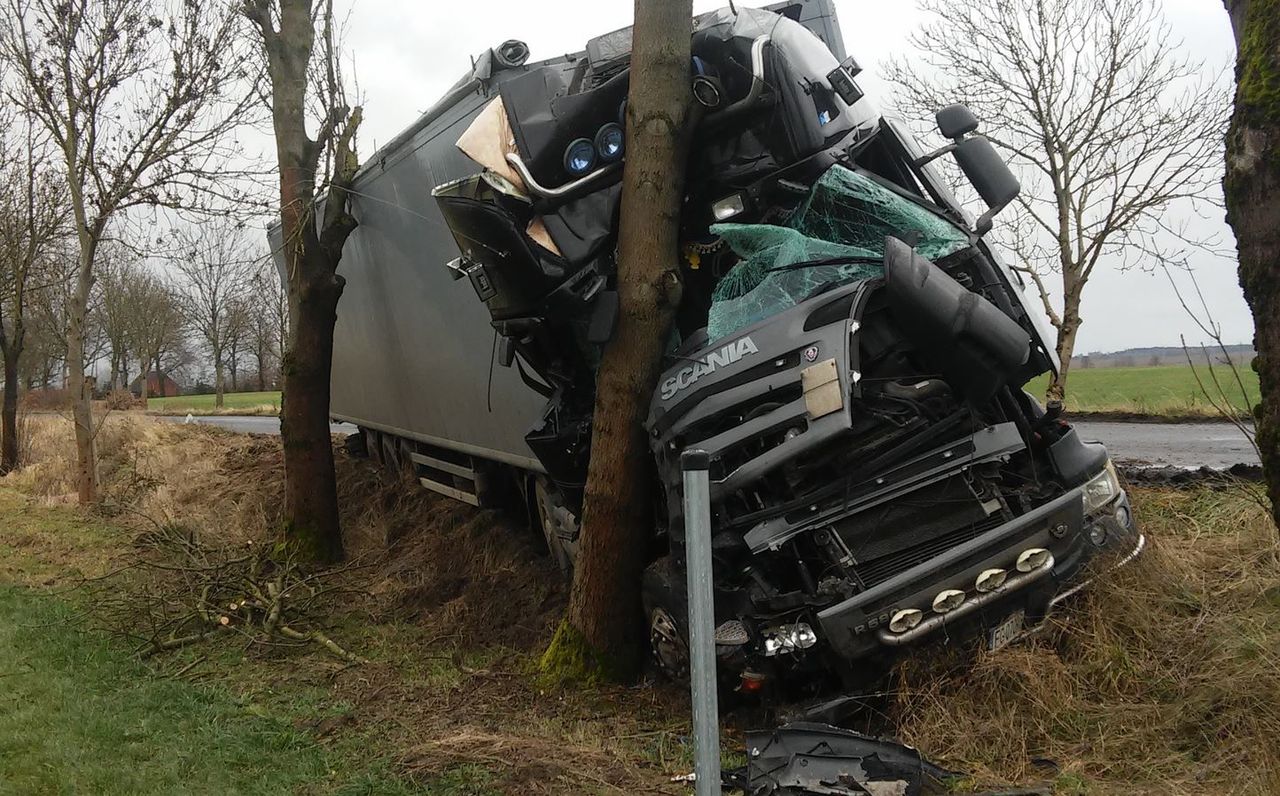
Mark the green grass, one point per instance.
(78, 715)
(1163, 390)
(183, 404)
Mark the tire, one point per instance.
(390, 456)
(408, 470)
(559, 525)
(663, 595)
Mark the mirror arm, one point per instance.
(932, 156)
(983, 225)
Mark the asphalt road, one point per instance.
(252, 424)
(1216, 445)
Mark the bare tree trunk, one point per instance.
(1066, 347)
(1252, 191)
(262, 372)
(9, 414)
(217, 379)
(311, 491)
(80, 386)
(601, 630)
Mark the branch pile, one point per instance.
(181, 591)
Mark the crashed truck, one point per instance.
(849, 351)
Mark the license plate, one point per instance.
(1000, 636)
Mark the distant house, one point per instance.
(158, 386)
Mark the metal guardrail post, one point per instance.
(702, 647)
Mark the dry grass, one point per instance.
(451, 605)
(1164, 678)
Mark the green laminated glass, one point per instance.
(845, 215)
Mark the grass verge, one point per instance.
(233, 403)
(78, 716)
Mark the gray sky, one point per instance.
(408, 53)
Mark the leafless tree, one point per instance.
(51, 312)
(161, 334)
(237, 334)
(299, 40)
(32, 219)
(139, 97)
(119, 309)
(214, 265)
(1108, 124)
(268, 322)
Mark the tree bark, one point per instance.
(1251, 187)
(601, 631)
(79, 385)
(311, 491)
(218, 379)
(1068, 330)
(12, 349)
(311, 253)
(262, 371)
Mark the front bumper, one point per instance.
(859, 626)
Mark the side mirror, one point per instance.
(956, 121)
(990, 176)
(978, 159)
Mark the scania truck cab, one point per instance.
(850, 351)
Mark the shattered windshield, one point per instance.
(846, 216)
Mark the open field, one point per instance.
(1164, 678)
(1156, 391)
(244, 403)
(1165, 391)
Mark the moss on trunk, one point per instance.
(571, 660)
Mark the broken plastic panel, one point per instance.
(846, 214)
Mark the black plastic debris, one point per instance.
(802, 758)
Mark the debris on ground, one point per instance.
(799, 759)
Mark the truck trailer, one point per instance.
(850, 351)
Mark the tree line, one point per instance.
(209, 321)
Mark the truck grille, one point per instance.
(882, 569)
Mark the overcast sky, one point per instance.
(407, 54)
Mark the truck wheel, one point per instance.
(559, 525)
(390, 456)
(665, 611)
(408, 470)
(356, 445)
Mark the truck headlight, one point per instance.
(1101, 489)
